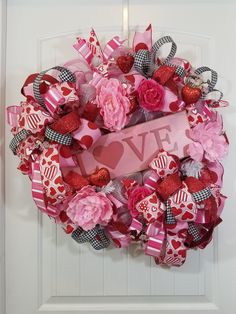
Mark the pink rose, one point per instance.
(150, 95)
(135, 196)
(113, 103)
(209, 141)
(89, 208)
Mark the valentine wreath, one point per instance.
(122, 145)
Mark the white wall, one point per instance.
(2, 124)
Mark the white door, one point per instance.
(48, 272)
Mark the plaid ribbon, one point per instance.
(145, 60)
(194, 232)
(64, 139)
(202, 195)
(64, 76)
(96, 237)
(170, 219)
(20, 136)
(214, 77)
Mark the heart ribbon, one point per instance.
(168, 217)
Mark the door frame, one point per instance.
(3, 30)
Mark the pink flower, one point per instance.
(89, 208)
(135, 196)
(150, 95)
(209, 141)
(114, 104)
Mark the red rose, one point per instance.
(150, 95)
(135, 196)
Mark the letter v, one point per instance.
(139, 154)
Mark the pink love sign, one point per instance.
(133, 148)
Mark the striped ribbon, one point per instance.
(53, 99)
(88, 52)
(150, 180)
(156, 236)
(154, 232)
(111, 46)
(64, 76)
(136, 225)
(13, 113)
(38, 191)
(82, 47)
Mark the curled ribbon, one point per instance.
(145, 59)
(96, 237)
(91, 49)
(168, 217)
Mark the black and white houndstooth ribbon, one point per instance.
(144, 61)
(65, 76)
(96, 237)
(64, 139)
(194, 232)
(170, 219)
(214, 77)
(201, 195)
(20, 136)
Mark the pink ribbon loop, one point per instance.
(91, 48)
(156, 236)
(38, 191)
(58, 95)
(82, 47)
(13, 113)
(87, 134)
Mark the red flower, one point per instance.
(135, 196)
(150, 95)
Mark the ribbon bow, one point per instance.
(41, 159)
(146, 53)
(91, 50)
(167, 216)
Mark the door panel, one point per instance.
(46, 270)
